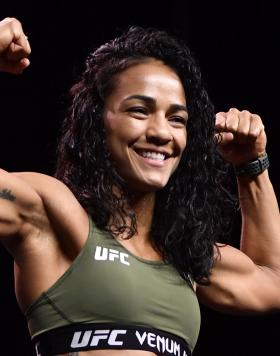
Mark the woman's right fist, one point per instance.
(14, 46)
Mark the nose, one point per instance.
(158, 130)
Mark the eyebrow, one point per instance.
(152, 101)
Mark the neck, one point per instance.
(140, 244)
(143, 205)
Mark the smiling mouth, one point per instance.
(152, 155)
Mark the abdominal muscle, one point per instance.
(111, 353)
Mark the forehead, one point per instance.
(152, 78)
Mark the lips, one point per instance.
(154, 154)
(152, 158)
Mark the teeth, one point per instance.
(153, 155)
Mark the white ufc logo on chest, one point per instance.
(109, 254)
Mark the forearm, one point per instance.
(260, 235)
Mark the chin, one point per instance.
(148, 186)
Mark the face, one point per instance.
(145, 120)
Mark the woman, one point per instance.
(111, 255)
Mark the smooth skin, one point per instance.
(44, 227)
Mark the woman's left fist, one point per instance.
(241, 136)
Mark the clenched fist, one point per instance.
(14, 46)
(241, 136)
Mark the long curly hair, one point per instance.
(193, 211)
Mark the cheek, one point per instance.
(185, 140)
(181, 141)
(121, 133)
(110, 122)
(122, 129)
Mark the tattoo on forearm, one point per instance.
(7, 194)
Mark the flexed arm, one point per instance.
(260, 238)
(19, 203)
(248, 280)
(14, 47)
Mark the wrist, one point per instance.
(253, 167)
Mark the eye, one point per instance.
(138, 109)
(178, 120)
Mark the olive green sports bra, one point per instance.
(107, 285)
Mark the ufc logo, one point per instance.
(105, 254)
(90, 338)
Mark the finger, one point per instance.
(242, 133)
(17, 40)
(15, 67)
(232, 120)
(224, 138)
(15, 52)
(257, 126)
(19, 36)
(220, 123)
(24, 43)
(27, 44)
(24, 63)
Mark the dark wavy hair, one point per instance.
(192, 212)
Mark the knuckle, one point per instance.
(257, 118)
(15, 21)
(233, 111)
(231, 126)
(243, 133)
(246, 112)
